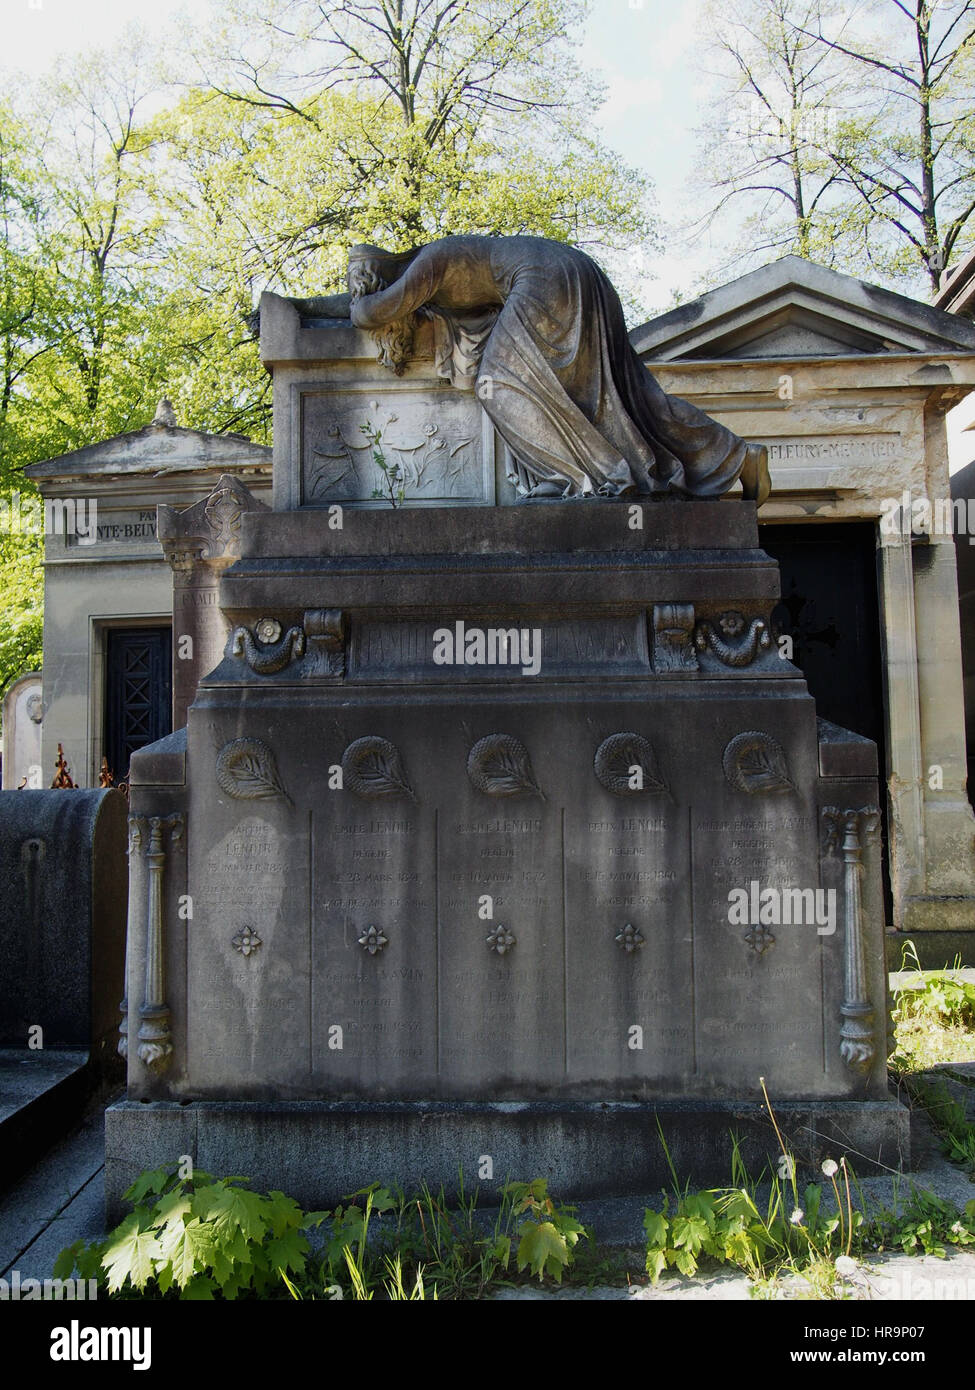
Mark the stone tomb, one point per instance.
(425, 885)
(23, 711)
(62, 941)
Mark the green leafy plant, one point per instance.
(548, 1233)
(948, 1115)
(926, 1224)
(458, 1252)
(393, 489)
(940, 995)
(205, 1237)
(790, 1232)
(734, 1225)
(197, 1237)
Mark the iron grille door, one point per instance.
(138, 685)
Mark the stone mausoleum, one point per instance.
(108, 606)
(849, 384)
(494, 900)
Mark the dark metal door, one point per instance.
(138, 693)
(830, 609)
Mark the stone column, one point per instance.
(200, 543)
(903, 771)
(945, 899)
(948, 898)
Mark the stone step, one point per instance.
(41, 1091)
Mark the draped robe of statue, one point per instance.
(539, 329)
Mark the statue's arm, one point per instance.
(414, 288)
(324, 306)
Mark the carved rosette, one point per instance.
(626, 765)
(247, 941)
(501, 940)
(499, 765)
(755, 763)
(759, 939)
(847, 831)
(631, 938)
(734, 641)
(155, 1036)
(373, 940)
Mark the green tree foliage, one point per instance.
(147, 202)
(905, 145)
(859, 128)
(763, 157)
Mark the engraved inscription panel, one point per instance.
(247, 1013)
(374, 885)
(382, 650)
(563, 939)
(502, 1019)
(628, 866)
(758, 958)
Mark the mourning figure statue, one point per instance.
(538, 330)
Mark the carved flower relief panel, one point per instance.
(431, 442)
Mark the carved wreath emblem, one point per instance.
(734, 645)
(247, 771)
(626, 764)
(372, 766)
(755, 762)
(499, 765)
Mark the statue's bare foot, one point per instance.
(756, 483)
(547, 490)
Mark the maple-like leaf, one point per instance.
(232, 1210)
(690, 1232)
(542, 1249)
(199, 1289)
(188, 1248)
(288, 1251)
(285, 1213)
(129, 1255)
(656, 1264)
(655, 1226)
(153, 1182)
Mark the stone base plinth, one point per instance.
(319, 1152)
(935, 912)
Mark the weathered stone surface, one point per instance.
(199, 544)
(23, 713)
(415, 879)
(847, 384)
(62, 934)
(319, 1152)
